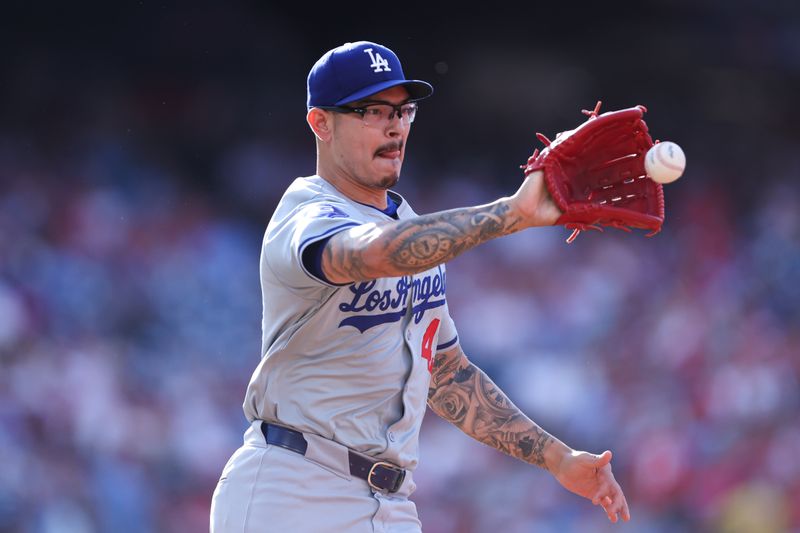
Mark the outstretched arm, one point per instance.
(463, 394)
(405, 247)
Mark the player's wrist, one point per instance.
(532, 203)
(554, 455)
(517, 210)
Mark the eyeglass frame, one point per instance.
(362, 109)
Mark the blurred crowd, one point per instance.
(133, 197)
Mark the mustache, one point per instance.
(389, 147)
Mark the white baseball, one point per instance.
(665, 162)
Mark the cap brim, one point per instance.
(417, 90)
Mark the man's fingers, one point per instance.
(607, 504)
(602, 498)
(603, 491)
(603, 459)
(626, 513)
(621, 504)
(617, 507)
(614, 505)
(609, 494)
(614, 509)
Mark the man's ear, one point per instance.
(321, 123)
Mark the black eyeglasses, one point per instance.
(380, 114)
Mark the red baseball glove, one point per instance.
(595, 173)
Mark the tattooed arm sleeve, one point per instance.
(463, 394)
(403, 247)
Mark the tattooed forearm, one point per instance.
(414, 245)
(462, 394)
(433, 239)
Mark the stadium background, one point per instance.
(143, 148)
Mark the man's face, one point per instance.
(372, 154)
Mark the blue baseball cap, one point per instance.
(353, 71)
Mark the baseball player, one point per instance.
(357, 337)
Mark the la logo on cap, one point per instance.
(356, 70)
(378, 64)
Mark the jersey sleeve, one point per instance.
(448, 336)
(287, 240)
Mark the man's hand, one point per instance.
(590, 476)
(533, 203)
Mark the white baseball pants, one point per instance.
(266, 488)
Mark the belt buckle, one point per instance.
(390, 466)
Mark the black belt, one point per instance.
(380, 475)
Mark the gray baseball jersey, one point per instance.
(350, 363)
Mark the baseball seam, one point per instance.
(665, 162)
